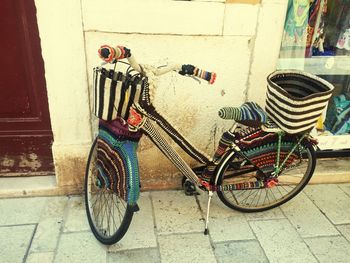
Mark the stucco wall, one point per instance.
(240, 42)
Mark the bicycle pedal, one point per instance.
(189, 188)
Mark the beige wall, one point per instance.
(238, 41)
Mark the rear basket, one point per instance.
(295, 100)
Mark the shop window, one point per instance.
(316, 39)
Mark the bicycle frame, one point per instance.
(247, 159)
(146, 125)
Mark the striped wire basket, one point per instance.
(115, 92)
(295, 99)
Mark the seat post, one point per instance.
(233, 128)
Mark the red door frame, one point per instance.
(25, 129)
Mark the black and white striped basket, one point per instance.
(295, 99)
(114, 93)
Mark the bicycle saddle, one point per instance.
(249, 114)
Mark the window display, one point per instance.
(316, 39)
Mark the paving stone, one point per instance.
(50, 224)
(332, 201)
(230, 228)
(307, 219)
(14, 242)
(141, 231)
(150, 255)
(345, 231)
(45, 257)
(185, 248)
(240, 251)
(274, 213)
(55, 207)
(281, 242)
(225, 224)
(176, 213)
(80, 247)
(46, 235)
(330, 249)
(76, 215)
(21, 210)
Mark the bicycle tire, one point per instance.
(243, 200)
(100, 223)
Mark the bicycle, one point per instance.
(257, 166)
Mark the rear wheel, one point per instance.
(109, 216)
(292, 179)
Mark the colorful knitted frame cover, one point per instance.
(259, 146)
(117, 162)
(262, 147)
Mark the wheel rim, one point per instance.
(290, 181)
(106, 209)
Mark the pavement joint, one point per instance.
(155, 225)
(317, 237)
(30, 243)
(29, 224)
(346, 193)
(256, 238)
(61, 232)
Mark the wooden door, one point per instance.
(25, 129)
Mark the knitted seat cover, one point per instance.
(249, 113)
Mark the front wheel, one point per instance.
(109, 216)
(293, 178)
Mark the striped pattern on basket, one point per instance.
(295, 100)
(114, 93)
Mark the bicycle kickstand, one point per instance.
(210, 195)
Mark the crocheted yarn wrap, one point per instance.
(249, 113)
(262, 147)
(117, 164)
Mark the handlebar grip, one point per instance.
(110, 54)
(194, 71)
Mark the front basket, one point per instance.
(115, 92)
(295, 100)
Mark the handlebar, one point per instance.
(194, 71)
(111, 55)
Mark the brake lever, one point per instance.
(112, 62)
(196, 79)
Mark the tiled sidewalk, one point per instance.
(313, 227)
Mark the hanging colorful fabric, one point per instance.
(262, 148)
(117, 163)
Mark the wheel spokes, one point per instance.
(289, 180)
(107, 209)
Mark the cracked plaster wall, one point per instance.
(240, 42)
